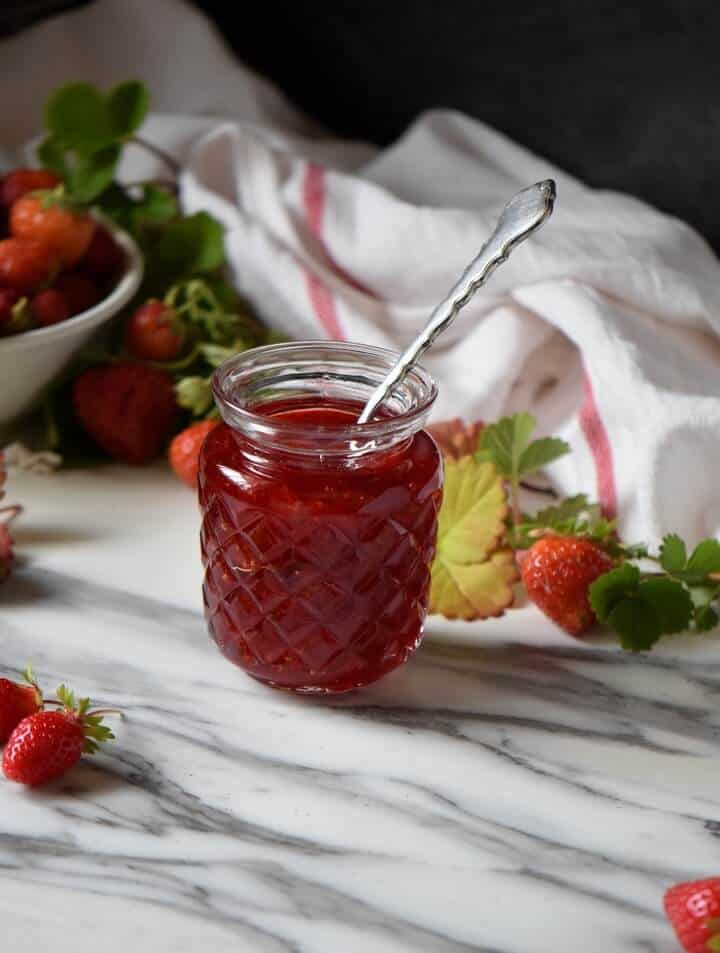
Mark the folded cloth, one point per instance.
(605, 324)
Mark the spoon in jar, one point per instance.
(522, 216)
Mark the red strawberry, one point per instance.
(557, 572)
(21, 181)
(49, 307)
(104, 257)
(79, 291)
(66, 232)
(184, 453)
(154, 332)
(26, 265)
(128, 409)
(17, 702)
(694, 911)
(47, 744)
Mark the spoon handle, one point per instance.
(523, 215)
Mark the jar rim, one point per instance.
(418, 389)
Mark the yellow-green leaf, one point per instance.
(473, 591)
(471, 578)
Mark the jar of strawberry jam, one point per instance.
(318, 532)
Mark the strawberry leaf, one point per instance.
(540, 453)
(92, 174)
(612, 588)
(51, 155)
(503, 443)
(78, 117)
(471, 578)
(706, 557)
(671, 602)
(673, 555)
(706, 618)
(636, 624)
(128, 104)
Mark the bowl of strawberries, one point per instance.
(63, 274)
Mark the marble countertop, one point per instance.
(510, 790)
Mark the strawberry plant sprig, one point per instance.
(509, 446)
(642, 605)
(572, 562)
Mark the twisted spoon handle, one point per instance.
(523, 215)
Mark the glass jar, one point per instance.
(318, 532)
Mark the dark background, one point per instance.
(625, 95)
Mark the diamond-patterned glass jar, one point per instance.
(318, 532)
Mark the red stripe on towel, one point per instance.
(321, 298)
(597, 438)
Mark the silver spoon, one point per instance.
(523, 215)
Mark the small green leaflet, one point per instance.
(128, 104)
(507, 444)
(673, 555)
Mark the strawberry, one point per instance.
(45, 745)
(17, 702)
(694, 911)
(557, 572)
(79, 291)
(66, 232)
(6, 551)
(154, 332)
(21, 181)
(25, 264)
(184, 453)
(127, 409)
(104, 258)
(49, 307)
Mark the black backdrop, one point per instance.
(623, 93)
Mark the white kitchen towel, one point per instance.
(605, 324)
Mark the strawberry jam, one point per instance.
(318, 532)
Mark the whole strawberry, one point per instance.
(184, 452)
(17, 701)
(154, 332)
(128, 409)
(47, 744)
(694, 911)
(40, 218)
(26, 265)
(557, 572)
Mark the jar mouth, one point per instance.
(330, 371)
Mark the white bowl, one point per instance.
(29, 361)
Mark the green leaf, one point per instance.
(155, 207)
(540, 453)
(504, 442)
(636, 623)
(713, 944)
(78, 117)
(670, 601)
(51, 156)
(186, 247)
(706, 557)
(612, 588)
(706, 618)
(92, 174)
(673, 555)
(128, 104)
